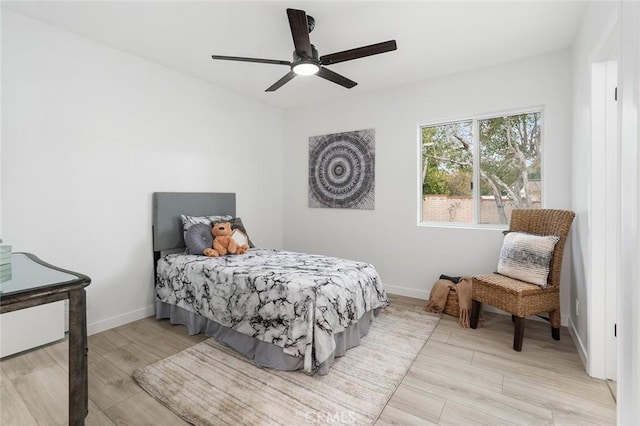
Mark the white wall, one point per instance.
(89, 133)
(1, 125)
(629, 297)
(410, 258)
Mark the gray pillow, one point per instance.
(198, 238)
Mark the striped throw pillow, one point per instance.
(189, 221)
(526, 257)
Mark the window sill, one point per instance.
(460, 225)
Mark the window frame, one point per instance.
(476, 165)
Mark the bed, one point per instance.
(284, 310)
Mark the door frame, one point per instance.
(605, 208)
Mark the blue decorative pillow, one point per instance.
(198, 238)
(527, 257)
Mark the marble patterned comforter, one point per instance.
(294, 300)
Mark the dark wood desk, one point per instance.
(34, 283)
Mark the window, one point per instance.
(502, 153)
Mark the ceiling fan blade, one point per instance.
(336, 78)
(258, 60)
(278, 84)
(358, 52)
(300, 32)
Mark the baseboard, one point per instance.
(582, 352)
(407, 292)
(109, 323)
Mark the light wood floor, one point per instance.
(460, 377)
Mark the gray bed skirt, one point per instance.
(263, 354)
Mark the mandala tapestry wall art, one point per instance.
(341, 170)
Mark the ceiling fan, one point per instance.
(305, 56)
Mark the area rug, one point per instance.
(229, 389)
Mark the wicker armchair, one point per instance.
(520, 298)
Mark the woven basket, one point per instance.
(452, 307)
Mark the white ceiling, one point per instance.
(434, 38)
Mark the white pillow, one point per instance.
(188, 221)
(526, 257)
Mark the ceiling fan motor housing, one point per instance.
(303, 65)
(314, 56)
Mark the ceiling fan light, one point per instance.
(306, 68)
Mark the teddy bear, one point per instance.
(223, 243)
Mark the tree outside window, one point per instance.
(502, 153)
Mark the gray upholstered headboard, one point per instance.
(168, 206)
